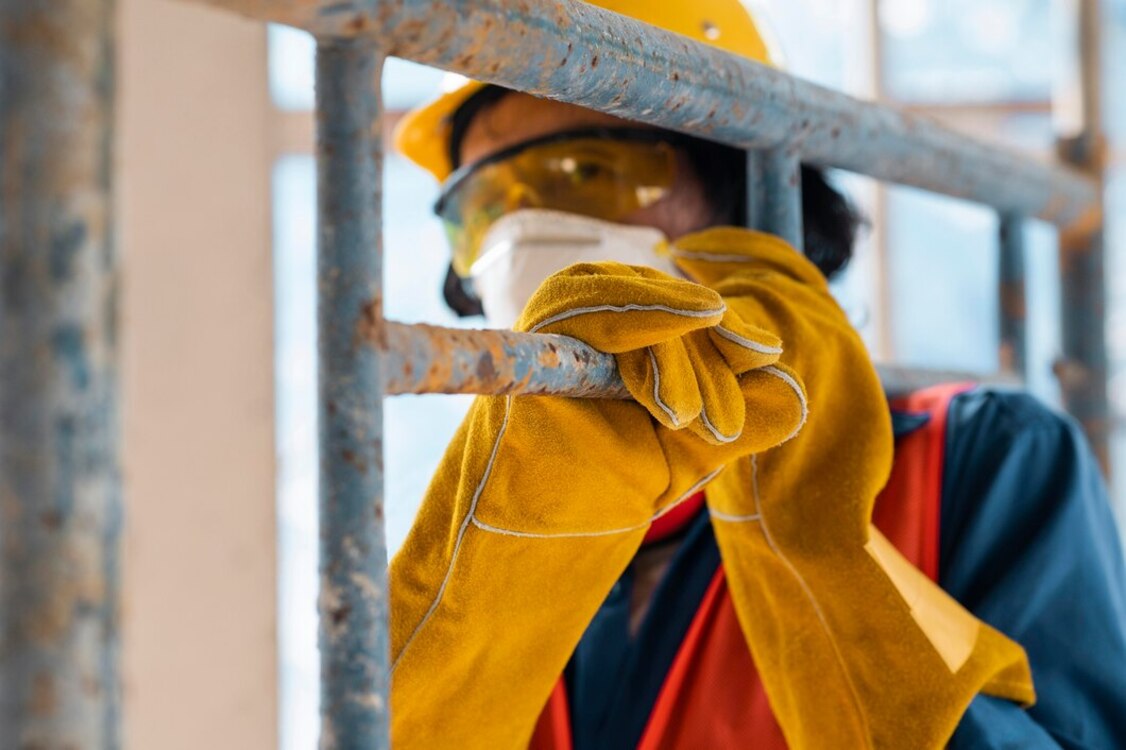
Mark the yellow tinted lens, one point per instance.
(469, 212)
(600, 178)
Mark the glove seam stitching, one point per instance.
(728, 518)
(657, 389)
(469, 516)
(790, 381)
(715, 432)
(561, 535)
(632, 307)
(746, 342)
(857, 705)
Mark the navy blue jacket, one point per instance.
(1028, 544)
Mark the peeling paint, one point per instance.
(1083, 368)
(584, 55)
(69, 345)
(1012, 293)
(353, 603)
(64, 249)
(431, 359)
(650, 74)
(59, 455)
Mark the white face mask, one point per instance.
(525, 247)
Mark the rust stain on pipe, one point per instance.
(59, 466)
(431, 359)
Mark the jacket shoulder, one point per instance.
(1001, 414)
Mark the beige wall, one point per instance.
(199, 636)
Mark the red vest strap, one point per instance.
(553, 730)
(675, 520)
(909, 509)
(712, 697)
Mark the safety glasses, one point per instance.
(601, 173)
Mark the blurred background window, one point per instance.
(968, 50)
(922, 289)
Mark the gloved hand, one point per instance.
(708, 377)
(541, 503)
(855, 647)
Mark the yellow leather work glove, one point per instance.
(698, 383)
(856, 648)
(541, 503)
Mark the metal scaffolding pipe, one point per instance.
(428, 359)
(1082, 370)
(60, 493)
(575, 52)
(353, 602)
(1012, 294)
(778, 183)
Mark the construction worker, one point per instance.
(698, 568)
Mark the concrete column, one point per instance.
(200, 652)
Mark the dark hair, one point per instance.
(831, 221)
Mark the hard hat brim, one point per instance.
(423, 135)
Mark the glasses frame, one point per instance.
(626, 135)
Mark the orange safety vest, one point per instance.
(712, 696)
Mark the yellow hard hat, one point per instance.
(423, 136)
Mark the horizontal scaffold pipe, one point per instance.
(575, 52)
(428, 359)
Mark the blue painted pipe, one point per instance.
(353, 602)
(575, 52)
(429, 359)
(1013, 296)
(60, 476)
(778, 184)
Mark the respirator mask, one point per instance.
(517, 217)
(524, 248)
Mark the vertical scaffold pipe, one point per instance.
(1012, 294)
(1083, 368)
(60, 499)
(353, 601)
(776, 192)
(756, 211)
